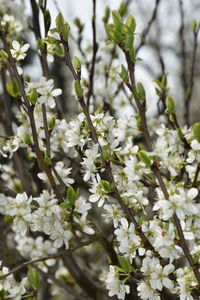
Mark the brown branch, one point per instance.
(148, 27)
(95, 49)
(45, 258)
(189, 92)
(6, 191)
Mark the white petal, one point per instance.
(25, 47)
(51, 102)
(168, 283)
(56, 92)
(192, 193)
(124, 223)
(15, 45)
(42, 99)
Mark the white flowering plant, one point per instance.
(96, 199)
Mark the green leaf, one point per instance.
(28, 140)
(106, 185)
(124, 74)
(65, 32)
(106, 15)
(58, 50)
(124, 263)
(128, 41)
(123, 9)
(77, 63)
(66, 205)
(117, 19)
(33, 278)
(144, 158)
(33, 96)
(3, 54)
(170, 104)
(52, 122)
(106, 152)
(131, 23)
(12, 88)
(71, 195)
(60, 22)
(47, 160)
(78, 23)
(47, 18)
(78, 89)
(141, 91)
(196, 131)
(194, 25)
(164, 81)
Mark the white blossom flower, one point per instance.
(18, 51)
(115, 286)
(146, 292)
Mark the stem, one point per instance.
(95, 49)
(44, 258)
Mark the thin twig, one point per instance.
(148, 27)
(45, 258)
(95, 49)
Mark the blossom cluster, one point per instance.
(95, 177)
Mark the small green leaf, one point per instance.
(12, 88)
(33, 278)
(71, 195)
(128, 41)
(194, 25)
(58, 50)
(77, 63)
(78, 89)
(117, 19)
(124, 74)
(47, 160)
(47, 18)
(28, 140)
(124, 263)
(66, 205)
(78, 23)
(33, 96)
(106, 185)
(52, 122)
(196, 131)
(3, 54)
(60, 22)
(65, 32)
(144, 158)
(106, 15)
(170, 104)
(141, 91)
(164, 81)
(123, 9)
(131, 23)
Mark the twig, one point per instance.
(189, 92)
(95, 49)
(44, 258)
(6, 191)
(196, 175)
(148, 27)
